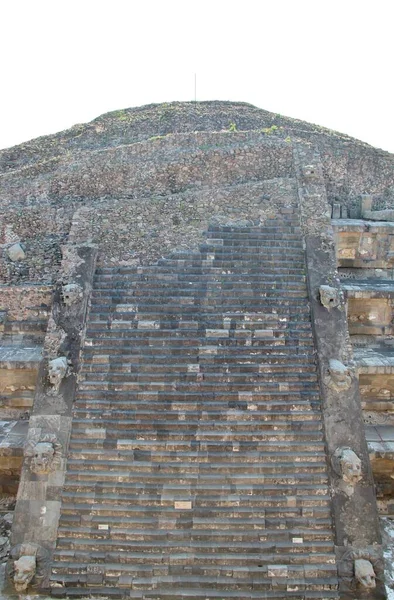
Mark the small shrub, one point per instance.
(157, 137)
(269, 130)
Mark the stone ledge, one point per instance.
(12, 438)
(369, 289)
(373, 361)
(380, 439)
(15, 357)
(360, 225)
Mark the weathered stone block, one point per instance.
(16, 253)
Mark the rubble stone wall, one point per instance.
(351, 167)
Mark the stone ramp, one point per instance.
(196, 463)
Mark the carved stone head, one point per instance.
(330, 297)
(338, 376)
(57, 369)
(347, 464)
(361, 569)
(364, 573)
(44, 453)
(42, 459)
(24, 571)
(71, 293)
(27, 566)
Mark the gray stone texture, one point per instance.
(164, 150)
(16, 253)
(341, 408)
(189, 324)
(38, 502)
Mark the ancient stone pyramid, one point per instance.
(196, 369)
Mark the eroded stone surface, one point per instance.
(330, 297)
(348, 465)
(16, 253)
(44, 454)
(364, 573)
(57, 369)
(338, 376)
(71, 293)
(26, 566)
(379, 215)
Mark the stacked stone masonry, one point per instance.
(200, 435)
(365, 261)
(196, 461)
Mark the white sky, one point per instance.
(327, 62)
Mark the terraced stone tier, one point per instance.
(196, 466)
(364, 244)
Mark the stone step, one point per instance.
(292, 591)
(267, 293)
(201, 278)
(221, 294)
(126, 315)
(129, 312)
(258, 242)
(196, 456)
(204, 478)
(110, 367)
(221, 468)
(200, 374)
(274, 233)
(263, 395)
(240, 251)
(288, 507)
(230, 399)
(166, 413)
(245, 412)
(204, 387)
(218, 337)
(209, 269)
(224, 517)
(146, 570)
(214, 358)
(145, 577)
(281, 420)
(149, 508)
(116, 371)
(213, 352)
(279, 544)
(215, 280)
(227, 447)
(272, 432)
(266, 302)
(141, 329)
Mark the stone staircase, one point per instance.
(196, 463)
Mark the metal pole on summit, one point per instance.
(195, 87)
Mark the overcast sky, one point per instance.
(327, 62)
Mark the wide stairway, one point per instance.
(196, 466)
